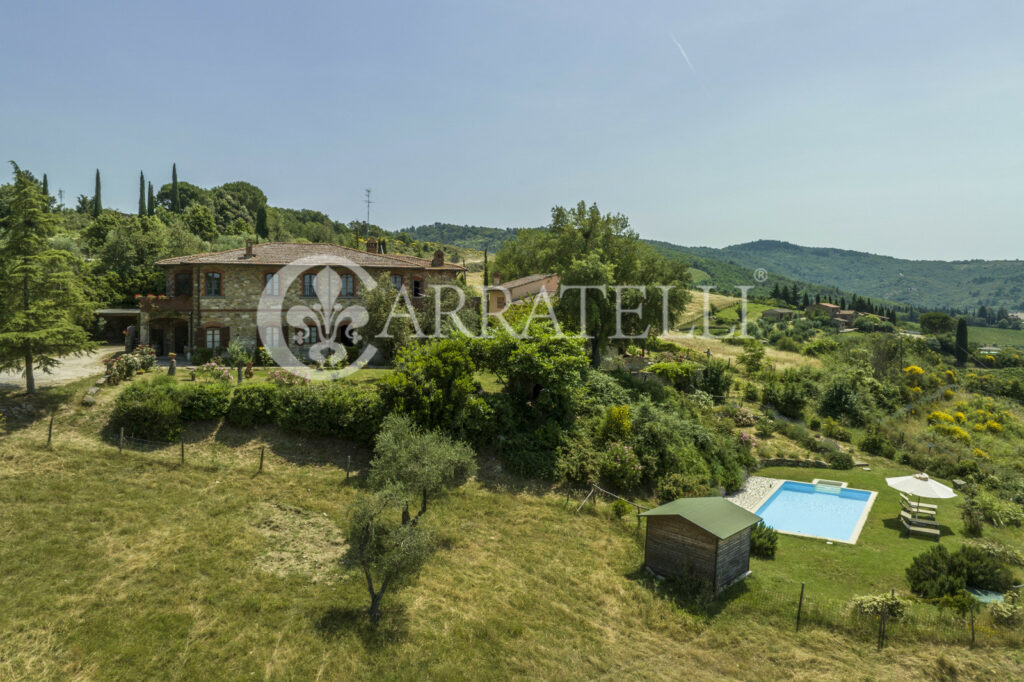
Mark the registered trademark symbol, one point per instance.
(760, 274)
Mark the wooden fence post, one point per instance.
(972, 623)
(49, 434)
(120, 443)
(262, 447)
(181, 442)
(348, 466)
(800, 607)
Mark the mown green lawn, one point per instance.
(131, 566)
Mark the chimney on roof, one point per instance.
(248, 248)
(496, 278)
(438, 259)
(371, 245)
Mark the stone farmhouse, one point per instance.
(521, 289)
(212, 298)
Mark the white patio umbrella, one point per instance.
(920, 485)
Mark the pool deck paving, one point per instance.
(754, 492)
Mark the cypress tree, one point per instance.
(46, 185)
(97, 199)
(150, 201)
(487, 275)
(261, 223)
(961, 341)
(142, 194)
(175, 197)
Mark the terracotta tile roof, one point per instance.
(282, 253)
(522, 281)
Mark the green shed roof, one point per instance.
(716, 515)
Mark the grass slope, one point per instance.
(130, 566)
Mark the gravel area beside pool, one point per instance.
(754, 492)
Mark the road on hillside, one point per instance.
(69, 369)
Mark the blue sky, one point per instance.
(892, 127)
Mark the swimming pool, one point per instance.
(802, 509)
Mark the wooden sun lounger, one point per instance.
(916, 520)
(918, 505)
(916, 511)
(923, 530)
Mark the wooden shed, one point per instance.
(704, 537)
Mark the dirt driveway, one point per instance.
(69, 369)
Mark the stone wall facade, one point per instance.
(181, 321)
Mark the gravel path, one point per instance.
(69, 369)
(754, 492)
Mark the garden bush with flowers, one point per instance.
(126, 365)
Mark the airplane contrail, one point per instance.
(683, 52)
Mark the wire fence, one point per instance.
(916, 621)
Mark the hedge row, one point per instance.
(156, 409)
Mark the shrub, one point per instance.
(877, 444)
(254, 405)
(236, 354)
(261, 357)
(341, 409)
(620, 508)
(837, 459)
(939, 573)
(201, 356)
(578, 462)
(751, 394)
(831, 428)
(744, 417)
(874, 606)
(997, 511)
(202, 401)
(621, 466)
(282, 377)
(1009, 613)
(764, 426)
(616, 424)
(763, 541)
(679, 375)
(972, 517)
(788, 396)
(675, 486)
(148, 410)
(214, 372)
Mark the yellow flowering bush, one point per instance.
(950, 376)
(947, 394)
(912, 370)
(960, 417)
(952, 432)
(938, 417)
(916, 390)
(978, 452)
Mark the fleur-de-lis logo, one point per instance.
(324, 328)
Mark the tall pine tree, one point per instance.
(175, 197)
(142, 194)
(40, 288)
(487, 274)
(46, 186)
(97, 199)
(150, 201)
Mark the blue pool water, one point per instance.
(799, 508)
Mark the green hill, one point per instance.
(930, 284)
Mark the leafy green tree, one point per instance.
(40, 288)
(385, 550)
(961, 341)
(246, 194)
(752, 357)
(97, 198)
(261, 223)
(432, 383)
(588, 248)
(417, 463)
(142, 195)
(199, 221)
(187, 195)
(937, 323)
(175, 195)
